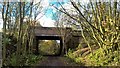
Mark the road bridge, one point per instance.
(65, 35)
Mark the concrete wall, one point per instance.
(73, 42)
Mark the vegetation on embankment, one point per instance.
(24, 60)
(96, 58)
(100, 29)
(18, 38)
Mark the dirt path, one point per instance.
(56, 61)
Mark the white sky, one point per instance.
(46, 22)
(1, 22)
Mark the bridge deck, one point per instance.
(50, 31)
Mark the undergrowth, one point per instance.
(97, 58)
(23, 60)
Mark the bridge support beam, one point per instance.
(36, 46)
(61, 47)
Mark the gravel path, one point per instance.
(56, 61)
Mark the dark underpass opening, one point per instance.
(49, 45)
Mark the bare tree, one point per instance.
(4, 16)
(14, 14)
(95, 23)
